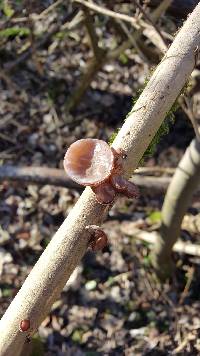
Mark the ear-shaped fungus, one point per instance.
(94, 163)
(89, 161)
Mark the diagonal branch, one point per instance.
(133, 41)
(149, 19)
(179, 8)
(160, 10)
(46, 280)
(186, 106)
(110, 13)
(98, 52)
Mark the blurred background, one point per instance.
(68, 72)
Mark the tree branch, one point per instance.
(129, 229)
(46, 280)
(38, 175)
(179, 8)
(149, 19)
(98, 52)
(110, 13)
(57, 177)
(179, 194)
(132, 41)
(186, 106)
(160, 10)
(143, 177)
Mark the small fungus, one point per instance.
(24, 325)
(99, 239)
(92, 162)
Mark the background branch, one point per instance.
(178, 197)
(179, 8)
(107, 12)
(161, 8)
(88, 21)
(186, 106)
(149, 19)
(129, 229)
(144, 177)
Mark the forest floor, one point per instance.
(113, 304)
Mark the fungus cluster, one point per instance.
(92, 162)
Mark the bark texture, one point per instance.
(178, 197)
(46, 280)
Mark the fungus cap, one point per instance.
(89, 161)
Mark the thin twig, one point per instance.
(48, 10)
(110, 13)
(179, 8)
(115, 53)
(77, 19)
(187, 107)
(92, 33)
(149, 19)
(190, 276)
(160, 10)
(129, 229)
(132, 40)
(155, 170)
(38, 16)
